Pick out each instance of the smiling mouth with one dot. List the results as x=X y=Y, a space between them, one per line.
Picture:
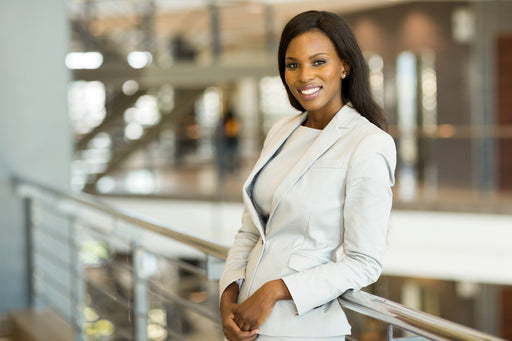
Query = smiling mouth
x=309 y=91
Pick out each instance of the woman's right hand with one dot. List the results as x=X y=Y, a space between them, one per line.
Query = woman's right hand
x=228 y=306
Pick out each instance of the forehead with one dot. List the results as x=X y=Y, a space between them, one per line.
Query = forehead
x=310 y=43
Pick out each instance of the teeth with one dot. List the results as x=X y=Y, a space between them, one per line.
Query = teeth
x=309 y=91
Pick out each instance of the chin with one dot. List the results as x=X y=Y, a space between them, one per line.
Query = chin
x=310 y=107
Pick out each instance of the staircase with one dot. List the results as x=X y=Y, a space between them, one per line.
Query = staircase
x=123 y=148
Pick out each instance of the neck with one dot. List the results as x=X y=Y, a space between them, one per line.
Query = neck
x=318 y=120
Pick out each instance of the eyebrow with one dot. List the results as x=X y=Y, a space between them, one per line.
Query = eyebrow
x=312 y=57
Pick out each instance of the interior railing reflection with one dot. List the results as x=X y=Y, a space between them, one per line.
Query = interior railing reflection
x=449 y=158
x=117 y=276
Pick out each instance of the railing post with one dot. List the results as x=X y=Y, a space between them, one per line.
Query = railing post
x=390 y=332
x=140 y=293
x=29 y=247
x=77 y=280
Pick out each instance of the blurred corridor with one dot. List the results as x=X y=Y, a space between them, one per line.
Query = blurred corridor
x=129 y=100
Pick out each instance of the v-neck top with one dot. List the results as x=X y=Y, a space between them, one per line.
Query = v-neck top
x=274 y=172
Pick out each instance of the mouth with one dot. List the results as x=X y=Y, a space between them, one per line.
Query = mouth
x=309 y=92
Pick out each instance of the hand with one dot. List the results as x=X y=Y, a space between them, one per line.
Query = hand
x=228 y=307
x=257 y=308
x=231 y=330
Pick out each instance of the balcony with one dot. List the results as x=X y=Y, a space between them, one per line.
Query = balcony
x=115 y=275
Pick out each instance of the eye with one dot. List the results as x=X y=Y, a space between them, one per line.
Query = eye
x=292 y=66
x=319 y=62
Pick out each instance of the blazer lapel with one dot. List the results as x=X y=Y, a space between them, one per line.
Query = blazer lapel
x=329 y=136
x=273 y=145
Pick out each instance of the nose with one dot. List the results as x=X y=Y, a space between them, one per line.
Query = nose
x=306 y=74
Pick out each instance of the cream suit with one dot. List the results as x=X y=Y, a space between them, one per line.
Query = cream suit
x=327 y=228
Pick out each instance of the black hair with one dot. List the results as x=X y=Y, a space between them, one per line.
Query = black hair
x=356 y=86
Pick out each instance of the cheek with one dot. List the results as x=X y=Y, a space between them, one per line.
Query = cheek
x=332 y=75
x=333 y=78
x=289 y=79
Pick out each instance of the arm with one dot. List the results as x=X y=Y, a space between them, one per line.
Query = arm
x=368 y=199
x=245 y=239
x=232 y=277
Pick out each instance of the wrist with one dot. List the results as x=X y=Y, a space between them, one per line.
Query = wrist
x=230 y=294
x=279 y=290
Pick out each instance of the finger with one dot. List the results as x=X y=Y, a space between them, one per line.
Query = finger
x=241 y=323
x=248 y=335
x=252 y=338
x=245 y=326
x=231 y=330
x=237 y=321
x=230 y=324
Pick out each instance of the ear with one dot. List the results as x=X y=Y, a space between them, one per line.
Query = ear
x=345 y=69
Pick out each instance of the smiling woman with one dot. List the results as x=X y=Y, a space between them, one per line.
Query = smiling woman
x=318 y=200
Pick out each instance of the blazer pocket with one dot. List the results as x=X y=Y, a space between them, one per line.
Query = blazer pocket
x=301 y=261
x=329 y=163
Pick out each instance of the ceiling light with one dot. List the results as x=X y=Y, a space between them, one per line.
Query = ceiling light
x=84 y=60
x=139 y=59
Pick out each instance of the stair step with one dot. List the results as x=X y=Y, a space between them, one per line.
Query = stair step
x=5 y=328
x=30 y=325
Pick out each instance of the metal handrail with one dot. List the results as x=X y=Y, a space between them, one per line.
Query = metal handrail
x=129 y=217
x=415 y=321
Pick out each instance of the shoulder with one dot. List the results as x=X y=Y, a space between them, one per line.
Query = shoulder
x=371 y=146
x=369 y=138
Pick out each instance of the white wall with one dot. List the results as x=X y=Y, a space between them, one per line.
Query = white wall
x=35 y=137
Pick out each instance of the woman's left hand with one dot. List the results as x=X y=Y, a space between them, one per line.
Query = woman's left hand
x=256 y=309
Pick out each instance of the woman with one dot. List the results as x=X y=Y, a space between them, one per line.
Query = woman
x=317 y=202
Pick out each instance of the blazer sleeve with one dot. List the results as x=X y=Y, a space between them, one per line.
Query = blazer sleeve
x=366 y=212
x=245 y=239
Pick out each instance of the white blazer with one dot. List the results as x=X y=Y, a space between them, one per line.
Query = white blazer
x=327 y=228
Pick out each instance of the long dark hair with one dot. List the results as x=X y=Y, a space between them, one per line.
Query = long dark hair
x=356 y=86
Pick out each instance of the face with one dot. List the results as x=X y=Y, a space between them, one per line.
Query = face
x=313 y=73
